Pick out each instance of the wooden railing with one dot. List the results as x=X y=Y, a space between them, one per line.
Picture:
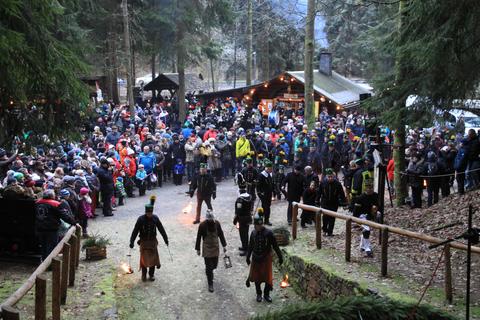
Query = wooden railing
x=384 y=231
x=63 y=275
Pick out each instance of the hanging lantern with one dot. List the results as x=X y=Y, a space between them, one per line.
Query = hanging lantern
x=322 y=99
x=266 y=85
x=284 y=282
x=227 y=262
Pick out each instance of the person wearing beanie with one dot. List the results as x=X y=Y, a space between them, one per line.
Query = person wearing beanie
x=294 y=182
x=206 y=190
x=265 y=189
x=146 y=226
x=105 y=177
x=63 y=196
x=47 y=221
x=243 y=209
x=209 y=231
x=259 y=257
x=330 y=196
x=249 y=176
x=84 y=209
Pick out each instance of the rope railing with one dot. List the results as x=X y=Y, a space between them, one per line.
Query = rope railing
x=63 y=275
x=384 y=232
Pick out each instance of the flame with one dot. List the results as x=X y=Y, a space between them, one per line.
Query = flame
x=188 y=208
x=238 y=225
x=425 y=183
x=284 y=282
x=126 y=268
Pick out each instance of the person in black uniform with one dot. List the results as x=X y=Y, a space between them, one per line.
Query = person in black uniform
x=147 y=226
x=295 y=182
x=249 y=177
x=265 y=189
x=105 y=176
x=259 y=255
x=207 y=189
x=243 y=216
x=309 y=197
x=366 y=202
x=330 y=196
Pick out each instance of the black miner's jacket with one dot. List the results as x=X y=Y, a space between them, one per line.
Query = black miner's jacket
x=147 y=227
x=330 y=195
x=205 y=185
x=106 y=180
x=295 y=186
x=48 y=215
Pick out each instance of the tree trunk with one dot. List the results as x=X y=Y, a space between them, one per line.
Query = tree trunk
x=108 y=67
x=152 y=65
x=309 y=50
x=114 y=66
x=213 y=74
x=235 y=56
x=401 y=190
x=128 y=67
x=249 y=41
x=181 y=56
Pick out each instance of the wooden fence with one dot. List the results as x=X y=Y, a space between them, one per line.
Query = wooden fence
x=63 y=275
x=384 y=232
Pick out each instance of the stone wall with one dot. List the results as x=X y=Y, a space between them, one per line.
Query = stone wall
x=313 y=282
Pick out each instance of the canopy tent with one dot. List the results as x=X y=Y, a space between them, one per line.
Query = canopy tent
x=169 y=81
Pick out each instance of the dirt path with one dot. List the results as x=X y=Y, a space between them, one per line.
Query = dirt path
x=180 y=290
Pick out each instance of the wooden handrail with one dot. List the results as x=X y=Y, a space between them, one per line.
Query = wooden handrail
x=22 y=291
x=399 y=231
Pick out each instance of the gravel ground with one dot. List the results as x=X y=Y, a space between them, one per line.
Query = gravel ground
x=180 y=289
x=104 y=291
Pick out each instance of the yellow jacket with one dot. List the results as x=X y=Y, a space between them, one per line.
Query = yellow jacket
x=242 y=147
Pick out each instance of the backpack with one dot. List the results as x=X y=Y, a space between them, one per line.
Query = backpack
x=460 y=159
x=432 y=168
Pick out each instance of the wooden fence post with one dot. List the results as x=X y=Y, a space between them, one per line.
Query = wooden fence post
x=448 y=274
x=10 y=313
x=294 y=220
x=78 y=234
x=56 y=279
x=318 y=229
x=65 y=271
x=71 y=265
x=41 y=297
x=384 y=252
x=348 y=239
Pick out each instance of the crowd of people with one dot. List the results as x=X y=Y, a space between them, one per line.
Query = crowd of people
x=330 y=164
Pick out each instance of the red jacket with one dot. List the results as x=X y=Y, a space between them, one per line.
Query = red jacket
x=390 y=170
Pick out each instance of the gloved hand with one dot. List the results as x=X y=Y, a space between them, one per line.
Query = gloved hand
x=166 y=242
x=248 y=261
x=280 y=260
x=191 y=194
x=131 y=245
x=224 y=249
x=235 y=220
x=214 y=195
x=198 y=252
